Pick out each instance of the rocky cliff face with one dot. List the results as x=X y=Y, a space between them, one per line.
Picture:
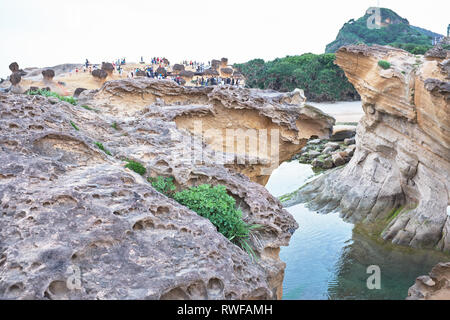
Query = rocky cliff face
x=66 y=206
x=398 y=181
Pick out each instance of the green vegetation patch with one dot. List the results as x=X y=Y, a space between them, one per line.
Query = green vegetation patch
x=115 y=126
x=384 y=64
x=136 y=167
x=74 y=125
x=101 y=147
x=317 y=75
x=165 y=185
x=216 y=205
x=46 y=93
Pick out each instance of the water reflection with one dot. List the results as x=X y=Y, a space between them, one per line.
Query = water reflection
x=328 y=259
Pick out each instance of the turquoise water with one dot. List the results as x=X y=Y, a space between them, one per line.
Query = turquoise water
x=327 y=259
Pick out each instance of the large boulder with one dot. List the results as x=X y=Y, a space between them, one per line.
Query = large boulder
x=99 y=74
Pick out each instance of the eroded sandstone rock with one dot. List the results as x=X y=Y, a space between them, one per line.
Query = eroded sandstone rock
x=65 y=205
x=398 y=180
x=436 y=286
x=283 y=118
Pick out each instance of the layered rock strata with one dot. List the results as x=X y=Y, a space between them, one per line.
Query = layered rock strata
x=398 y=181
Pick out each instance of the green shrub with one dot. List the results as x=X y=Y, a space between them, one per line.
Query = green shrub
x=384 y=64
x=101 y=147
x=136 y=167
x=164 y=185
x=88 y=108
x=46 y=93
x=74 y=126
x=115 y=126
x=216 y=205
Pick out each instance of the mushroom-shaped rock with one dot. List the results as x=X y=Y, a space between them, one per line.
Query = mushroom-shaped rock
x=15 y=78
x=237 y=74
x=14 y=67
x=48 y=74
x=224 y=62
x=99 y=74
x=161 y=71
x=226 y=71
x=108 y=67
x=215 y=64
x=178 y=67
x=78 y=91
x=211 y=72
x=437 y=52
x=186 y=74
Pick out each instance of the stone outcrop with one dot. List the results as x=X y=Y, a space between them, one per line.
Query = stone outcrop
x=177 y=68
x=66 y=205
x=99 y=74
x=227 y=108
x=48 y=74
x=215 y=64
x=398 y=181
x=435 y=286
x=108 y=67
x=14 y=67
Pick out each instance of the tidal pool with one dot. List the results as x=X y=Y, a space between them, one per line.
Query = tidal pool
x=328 y=259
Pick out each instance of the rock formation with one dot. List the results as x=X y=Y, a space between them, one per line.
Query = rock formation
x=215 y=64
x=108 y=67
x=226 y=71
x=14 y=67
x=224 y=109
x=68 y=206
x=436 y=286
x=224 y=62
x=48 y=74
x=99 y=74
x=78 y=91
x=398 y=181
x=177 y=68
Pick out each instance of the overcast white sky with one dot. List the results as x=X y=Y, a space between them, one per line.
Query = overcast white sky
x=43 y=33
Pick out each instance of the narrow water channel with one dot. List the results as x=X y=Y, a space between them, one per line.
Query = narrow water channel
x=327 y=259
